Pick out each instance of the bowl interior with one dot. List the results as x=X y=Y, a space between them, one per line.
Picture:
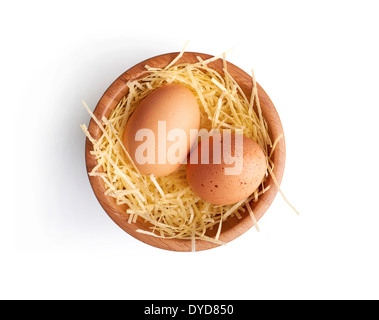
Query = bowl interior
x=233 y=227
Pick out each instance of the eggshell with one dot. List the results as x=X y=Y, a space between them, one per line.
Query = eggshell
x=167 y=108
x=210 y=181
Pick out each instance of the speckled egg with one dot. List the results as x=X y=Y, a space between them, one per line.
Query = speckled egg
x=235 y=168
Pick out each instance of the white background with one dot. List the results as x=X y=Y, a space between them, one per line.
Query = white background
x=318 y=61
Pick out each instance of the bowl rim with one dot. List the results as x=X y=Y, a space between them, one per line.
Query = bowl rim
x=109 y=101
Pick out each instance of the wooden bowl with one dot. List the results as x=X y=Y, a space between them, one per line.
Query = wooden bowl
x=233 y=227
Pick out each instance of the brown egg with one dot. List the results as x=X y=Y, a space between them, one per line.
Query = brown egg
x=157 y=135
x=231 y=174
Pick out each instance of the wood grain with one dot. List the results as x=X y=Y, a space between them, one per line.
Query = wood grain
x=233 y=227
